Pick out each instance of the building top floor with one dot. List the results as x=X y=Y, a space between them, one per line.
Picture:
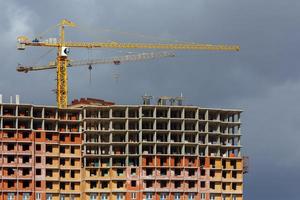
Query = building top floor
x=119 y=111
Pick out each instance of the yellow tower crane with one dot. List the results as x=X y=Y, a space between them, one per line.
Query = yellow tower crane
x=62 y=61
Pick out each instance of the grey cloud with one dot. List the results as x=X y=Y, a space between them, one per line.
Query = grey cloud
x=262 y=79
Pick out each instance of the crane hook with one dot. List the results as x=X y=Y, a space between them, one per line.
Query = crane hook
x=90 y=70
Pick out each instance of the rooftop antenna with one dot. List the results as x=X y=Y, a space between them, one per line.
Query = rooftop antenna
x=180 y=99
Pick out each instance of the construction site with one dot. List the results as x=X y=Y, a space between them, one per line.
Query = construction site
x=94 y=149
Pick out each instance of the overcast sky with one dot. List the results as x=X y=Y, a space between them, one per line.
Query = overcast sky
x=262 y=79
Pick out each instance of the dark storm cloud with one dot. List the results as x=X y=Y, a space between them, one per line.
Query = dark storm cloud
x=262 y=79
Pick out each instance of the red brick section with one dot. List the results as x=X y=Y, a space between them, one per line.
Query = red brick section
x=91 y=101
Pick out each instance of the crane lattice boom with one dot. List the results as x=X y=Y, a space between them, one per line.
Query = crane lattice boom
x=114 y=60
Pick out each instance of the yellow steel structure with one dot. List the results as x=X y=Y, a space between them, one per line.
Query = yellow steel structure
x=114 y=60
x=63 y=61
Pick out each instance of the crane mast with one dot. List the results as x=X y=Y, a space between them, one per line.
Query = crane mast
x=62 y=61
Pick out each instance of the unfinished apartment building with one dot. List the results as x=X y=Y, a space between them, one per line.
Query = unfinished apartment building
x=96 y=150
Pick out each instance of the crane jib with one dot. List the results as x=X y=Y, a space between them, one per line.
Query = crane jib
x=138 y=46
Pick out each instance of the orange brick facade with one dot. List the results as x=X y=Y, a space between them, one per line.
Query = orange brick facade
x=116 y=152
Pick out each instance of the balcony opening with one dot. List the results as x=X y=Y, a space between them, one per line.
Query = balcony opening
x=163 y=184
x=26 y=171
x=162 y=113
x=189 y=114
x=234 y=174
x=133 y=149
x=177 y=184
x=38 y=159
x=10 y=184
x=147 y=112
x=177 y=172
x=62 y=161
x=202 y=114
x=233 y=163
x=62 y=174
x=202 y=172
x=49 y=149
x=162 y=137
x=212 y=185
x=93 y=184
x=38 y=147
x=133 y=171
x=9 y=134
x=73 y=138
x=49 y=173
x=176 y=113
x=10 y=147
x=37 y=125
x=62 y=186
x=120 y=172
x=177 y=161
x=190 y=126
x=9 y=112
x=119 y=161
x=25 y=147
x=212 y=173
x=162 y=125
x=191 y=184
x=133 y=113
x=72 y=162
x=104 y=184
x=149 y=184
x=223 y=186
x=191 y=172
x=62 y=149
x=10 y=159
x=162 y=150
x=224 y=174
x=38 y=172
x=38 y=184
x=134 y=161
x=93 y=172
x=10 y=171
x=118 y=113
x=163 y=172
x=91 y=114
x=25 y=135
x=104 y=114
x=119 y=125
x=72 y=186
x=26 y=184
x=149 y=172
x=62 y=138
x=104 y=172
x=133 y=183
x=48 y=136
x=49 y=185
x=164 y=161
x=147 y=125
x=202 y=184
x=49 y=161
x=234 y=186
x=72 y=174
x=120 y=184
x=72 y=150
